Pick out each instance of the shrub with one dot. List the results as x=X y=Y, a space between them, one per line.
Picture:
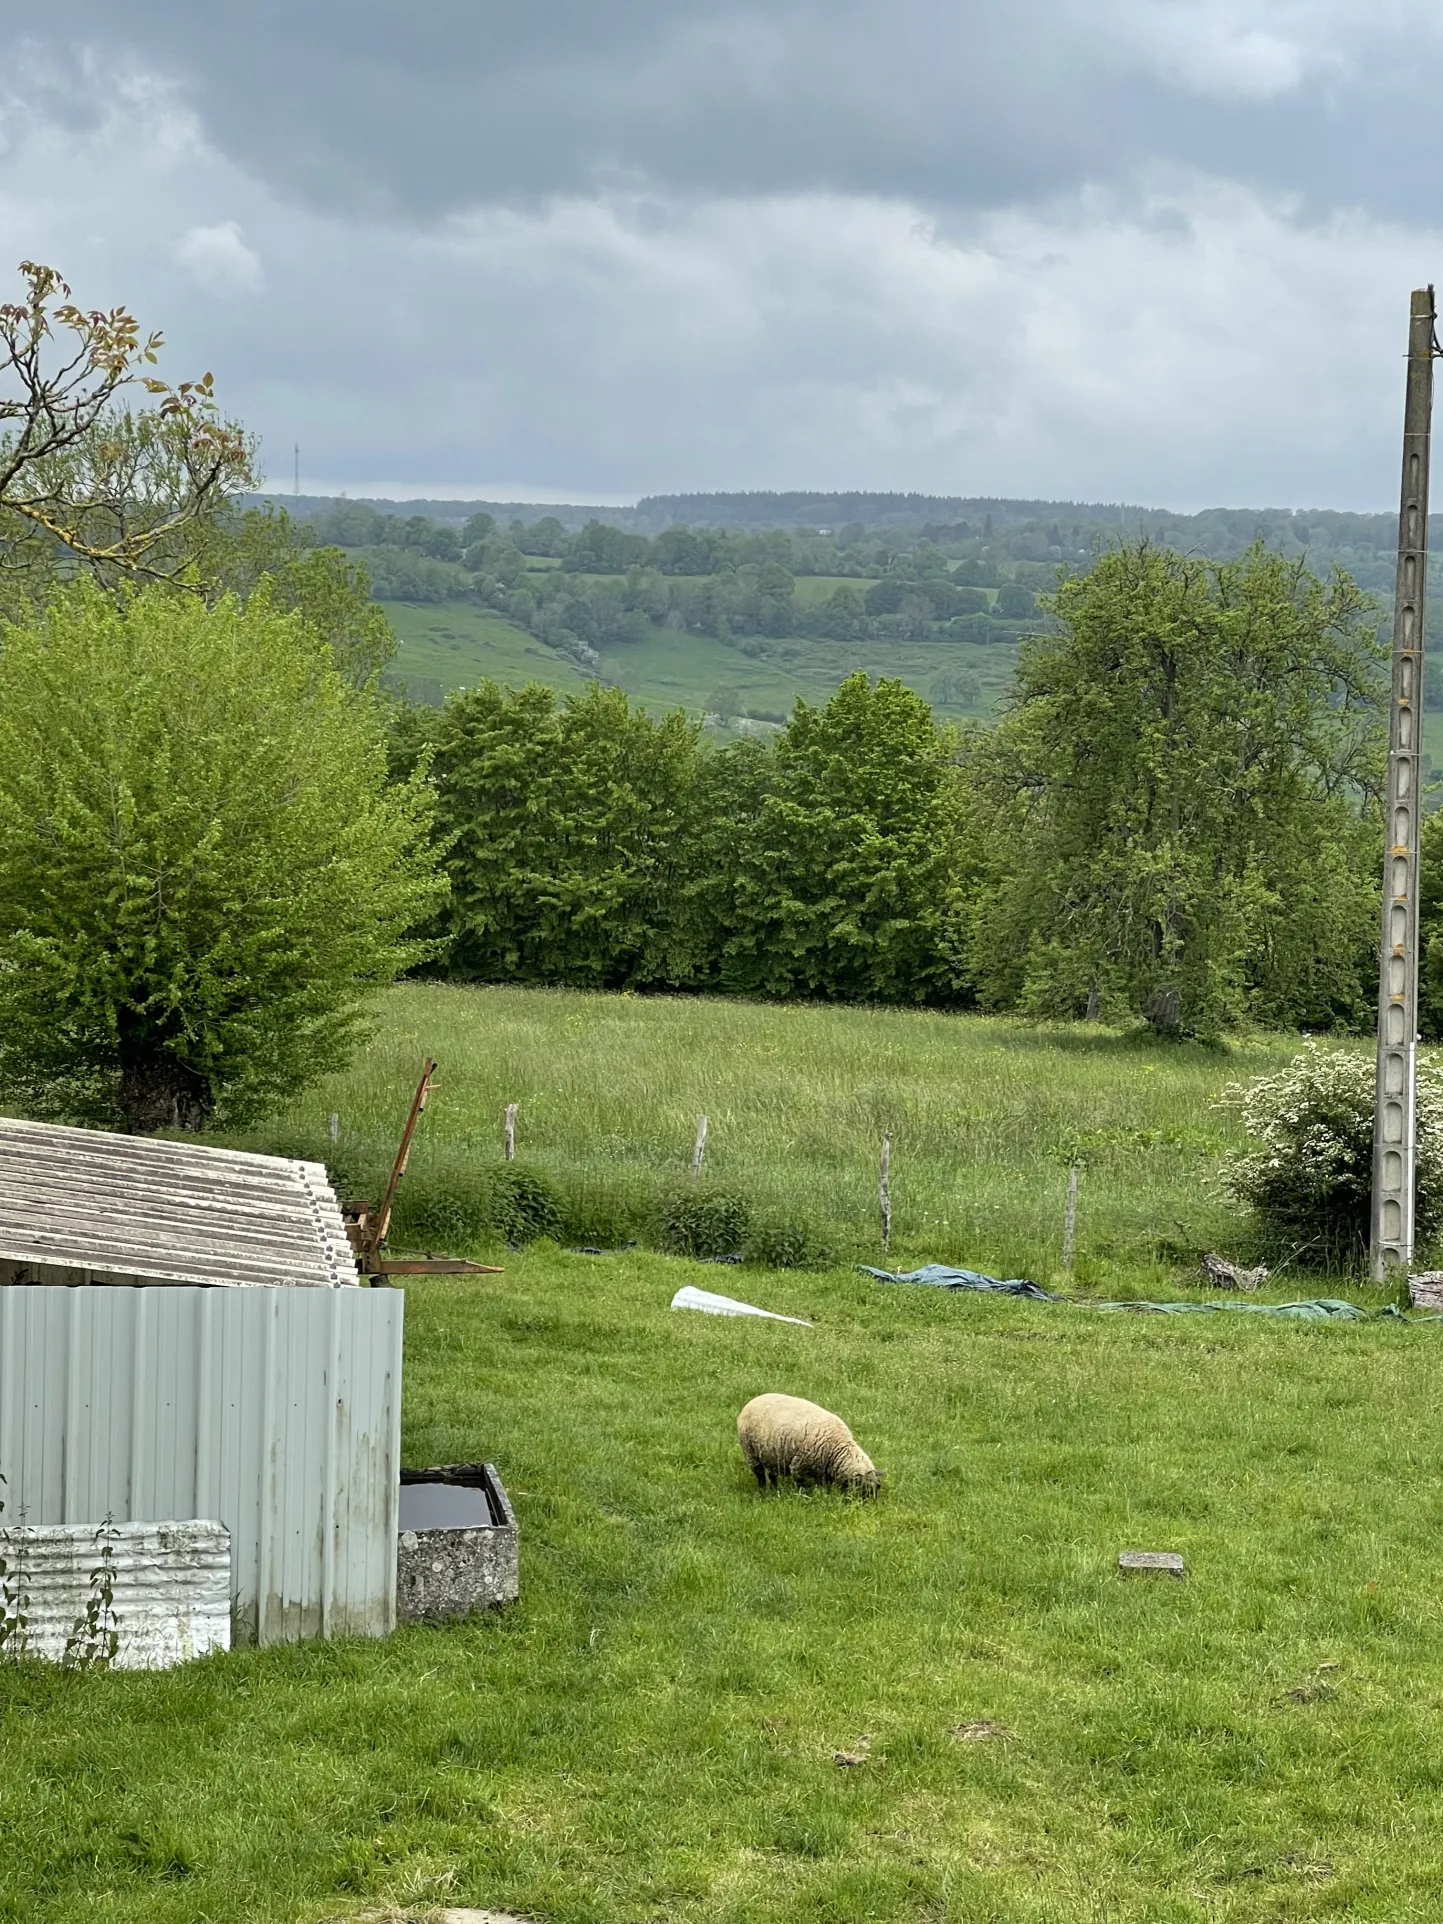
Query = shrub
x=204 y=874
x=354 y=1176
x=452 y=1208
x=606 y=1213
x=1310 y=1184
x=444 y=1210
x=776 y=1242
x=703 y=1222
x=525 y=1204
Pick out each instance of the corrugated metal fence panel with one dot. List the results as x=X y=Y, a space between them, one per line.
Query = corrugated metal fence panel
x=277 y=1411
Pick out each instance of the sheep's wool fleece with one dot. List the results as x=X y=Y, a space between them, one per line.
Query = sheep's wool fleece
x=787 y=1436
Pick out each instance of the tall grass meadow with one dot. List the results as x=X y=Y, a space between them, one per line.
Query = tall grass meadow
x=987 y=1114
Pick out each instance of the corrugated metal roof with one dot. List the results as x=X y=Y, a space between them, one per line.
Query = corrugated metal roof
x=84 y=1206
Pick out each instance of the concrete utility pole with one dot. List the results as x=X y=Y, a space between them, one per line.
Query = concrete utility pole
x=1393 y=1123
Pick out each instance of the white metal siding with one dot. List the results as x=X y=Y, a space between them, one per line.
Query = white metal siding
x=170 y=1585
x=277 y=1411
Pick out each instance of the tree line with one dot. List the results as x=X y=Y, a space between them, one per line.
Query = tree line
x=589 y=593
x=842 y=534
x=1177 y=820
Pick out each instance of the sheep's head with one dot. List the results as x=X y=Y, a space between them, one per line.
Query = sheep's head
x=859 y=1473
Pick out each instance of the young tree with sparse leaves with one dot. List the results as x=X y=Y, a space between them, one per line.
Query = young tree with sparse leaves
x=86 y=481
x=89 y=484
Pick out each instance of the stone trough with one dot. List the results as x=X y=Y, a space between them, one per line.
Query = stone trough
x=456 y=1544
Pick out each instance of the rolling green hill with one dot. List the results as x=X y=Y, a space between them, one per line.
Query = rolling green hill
x=454 y=644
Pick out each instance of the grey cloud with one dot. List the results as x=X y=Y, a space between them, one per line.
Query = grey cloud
x=1049 y=248
x=376 y=108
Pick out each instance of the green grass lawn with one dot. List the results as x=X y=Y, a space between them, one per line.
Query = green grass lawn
x=454 y=644
x=648 y=1735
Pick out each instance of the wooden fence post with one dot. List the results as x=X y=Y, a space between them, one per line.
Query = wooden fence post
x=511 y=1132
x=884 y=1190
x=1069 y=1220
x=700 y=1148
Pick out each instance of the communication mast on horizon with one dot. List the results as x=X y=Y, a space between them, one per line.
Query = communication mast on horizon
x=296 y=483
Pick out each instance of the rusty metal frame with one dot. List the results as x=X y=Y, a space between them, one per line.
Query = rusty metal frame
x=368 y=1232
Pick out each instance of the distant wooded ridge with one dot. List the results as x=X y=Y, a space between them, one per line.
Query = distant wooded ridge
x=914 y=512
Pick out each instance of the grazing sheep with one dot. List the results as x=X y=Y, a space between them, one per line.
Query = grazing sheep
x=787 y=1436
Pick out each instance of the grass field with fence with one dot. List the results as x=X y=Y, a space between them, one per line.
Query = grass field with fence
x=651 y=1734
x=986 y=1115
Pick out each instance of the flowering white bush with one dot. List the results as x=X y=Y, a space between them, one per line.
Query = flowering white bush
x=1310 y=1183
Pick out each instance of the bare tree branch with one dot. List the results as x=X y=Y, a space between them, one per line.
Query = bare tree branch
x=83 y=475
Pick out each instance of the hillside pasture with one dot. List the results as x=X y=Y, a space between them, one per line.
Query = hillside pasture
x=452 y=644
x=455 y=644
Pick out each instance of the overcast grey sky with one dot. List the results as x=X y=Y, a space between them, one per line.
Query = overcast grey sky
x=1153 y=250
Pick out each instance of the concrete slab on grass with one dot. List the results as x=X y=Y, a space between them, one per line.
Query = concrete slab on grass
x=433 y=1917
x=480 y=1917
x=1168 y=1561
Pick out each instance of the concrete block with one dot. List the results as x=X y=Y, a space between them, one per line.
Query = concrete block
x=457 y=1549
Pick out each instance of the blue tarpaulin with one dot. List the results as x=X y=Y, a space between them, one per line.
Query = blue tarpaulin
x=1319 y=1309
x=941 y=1277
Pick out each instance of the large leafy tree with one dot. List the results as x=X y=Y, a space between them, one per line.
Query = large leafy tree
x=203 y=870
x=844 y=860
x=1180 y=813
x=567 y=827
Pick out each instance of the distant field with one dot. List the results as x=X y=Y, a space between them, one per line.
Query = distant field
x=454 y=644
x=808 y=588
x=814 y=588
